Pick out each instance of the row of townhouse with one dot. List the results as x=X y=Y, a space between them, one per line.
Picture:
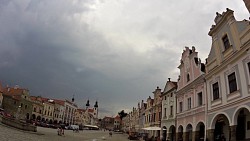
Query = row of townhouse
x=210 y=100
x=111 y=123
x=18 y=103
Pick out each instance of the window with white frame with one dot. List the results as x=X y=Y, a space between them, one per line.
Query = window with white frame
x=189 y=103
x=232 y=82
x=216 y=93
x=226 y=42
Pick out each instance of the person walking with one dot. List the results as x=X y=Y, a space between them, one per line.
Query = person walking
x=110 y=133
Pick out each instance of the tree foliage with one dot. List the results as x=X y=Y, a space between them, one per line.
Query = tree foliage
x=122 y=114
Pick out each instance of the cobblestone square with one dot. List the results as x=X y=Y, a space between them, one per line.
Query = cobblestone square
x=48 y=134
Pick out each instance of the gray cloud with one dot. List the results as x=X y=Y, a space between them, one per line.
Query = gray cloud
x=115 y=52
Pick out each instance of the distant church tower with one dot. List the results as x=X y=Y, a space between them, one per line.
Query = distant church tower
x=96 y=109
x=87 y=104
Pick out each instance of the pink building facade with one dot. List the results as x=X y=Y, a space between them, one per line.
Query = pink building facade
x=190 y=95
x=227 y=79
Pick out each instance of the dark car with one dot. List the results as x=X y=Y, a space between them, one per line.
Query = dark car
x=133 y=136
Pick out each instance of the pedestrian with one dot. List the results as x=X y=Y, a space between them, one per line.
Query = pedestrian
x=110 y=133
x=58 y=131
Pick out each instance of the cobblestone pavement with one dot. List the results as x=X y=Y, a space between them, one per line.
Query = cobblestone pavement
x=47 y=134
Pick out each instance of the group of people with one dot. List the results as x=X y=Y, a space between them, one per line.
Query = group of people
x=60 y=131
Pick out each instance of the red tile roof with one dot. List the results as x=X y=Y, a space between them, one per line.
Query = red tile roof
x=60 y=102
x=117 y=117
x=13 y=91
x=90 y=110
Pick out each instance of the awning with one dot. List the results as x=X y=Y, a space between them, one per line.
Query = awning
x=152 y=128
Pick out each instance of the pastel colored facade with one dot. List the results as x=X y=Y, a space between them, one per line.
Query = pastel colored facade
x=48 y=110
x=169 y=111
x=16 y=102
x=136 y=114
x=125 y=123
x=37 y=111
x=156 y=117
x=228 y=78
x=190 y=94
x=69 y=113
x=58 y=111
x=82 y=117
x=142 y=108
x=107 y=123
x=93 y=113
x=149 y=112
x=117 y=123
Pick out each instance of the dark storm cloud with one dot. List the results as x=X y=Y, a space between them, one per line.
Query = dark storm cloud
x=111 y=51
x=39 y=43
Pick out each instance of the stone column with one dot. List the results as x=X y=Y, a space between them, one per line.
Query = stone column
x=185 y=134
x=232 y=133
x=178 y=136
x=210 y=134
x=194 y=135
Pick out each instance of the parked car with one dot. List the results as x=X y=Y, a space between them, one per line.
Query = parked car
x=133 y=135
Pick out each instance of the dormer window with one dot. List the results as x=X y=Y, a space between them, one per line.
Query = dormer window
x=226 y=42
x=188 y=77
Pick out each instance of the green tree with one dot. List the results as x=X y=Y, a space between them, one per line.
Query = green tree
x=122 y=114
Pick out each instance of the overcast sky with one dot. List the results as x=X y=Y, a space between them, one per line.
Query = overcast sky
x=113 y=51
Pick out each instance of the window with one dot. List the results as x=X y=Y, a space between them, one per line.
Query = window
x=226 y=42
x=248 y=67
x=171 y=110
x=159 y=116
x=165 y=112
x=165 y=97
x=21 y=104
x=171 y=95
x=34 y=109
x=14 y=102
x=216 y=91
x=189 y=103
x=188 y=77
x=248 y=125
x=26 y=107
x=200 y=99
x=180 y=106
x=232 y=82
